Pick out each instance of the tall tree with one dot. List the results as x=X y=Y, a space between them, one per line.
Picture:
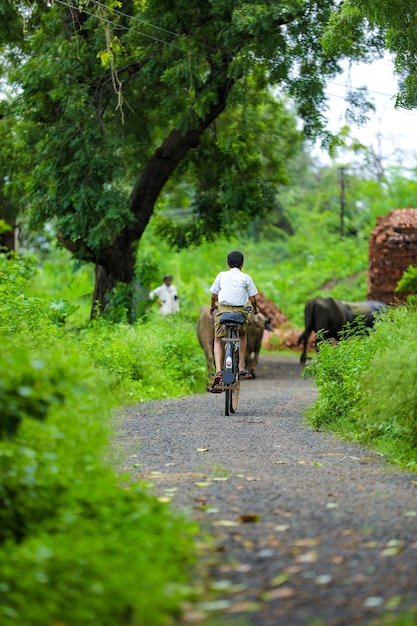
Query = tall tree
x=366 y=28
x=115 y=98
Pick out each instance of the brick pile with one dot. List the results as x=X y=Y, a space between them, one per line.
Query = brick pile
x=392 y=249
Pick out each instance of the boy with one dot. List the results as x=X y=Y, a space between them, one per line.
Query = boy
x=231 y=291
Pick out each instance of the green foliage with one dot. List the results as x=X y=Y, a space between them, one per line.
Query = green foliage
x=76 y=547
x=367 y=386
x=157 y=359
x=96 y=137
x=408 y=281
x=362 y=28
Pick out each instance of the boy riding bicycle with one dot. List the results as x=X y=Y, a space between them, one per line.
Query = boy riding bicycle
x=231 y=291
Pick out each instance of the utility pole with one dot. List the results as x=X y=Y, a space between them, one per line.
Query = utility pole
x=342 y=202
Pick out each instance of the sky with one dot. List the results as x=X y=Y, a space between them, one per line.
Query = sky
x=392 y=132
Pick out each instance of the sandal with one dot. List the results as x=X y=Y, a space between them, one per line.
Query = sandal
x=244 y=374
x=217 y=379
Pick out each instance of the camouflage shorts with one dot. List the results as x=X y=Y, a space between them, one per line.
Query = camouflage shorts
x=219 y=330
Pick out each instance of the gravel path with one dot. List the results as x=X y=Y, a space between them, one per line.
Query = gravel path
x=308 y=529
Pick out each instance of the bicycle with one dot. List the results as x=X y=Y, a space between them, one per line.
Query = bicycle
x=233 y=322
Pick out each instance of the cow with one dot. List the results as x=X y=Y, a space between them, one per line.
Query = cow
x=330 y=315
x=205 y=334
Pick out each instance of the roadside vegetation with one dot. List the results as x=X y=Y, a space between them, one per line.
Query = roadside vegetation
x=367 y=387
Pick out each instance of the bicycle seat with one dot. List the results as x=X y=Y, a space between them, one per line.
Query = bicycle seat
x=232 y=317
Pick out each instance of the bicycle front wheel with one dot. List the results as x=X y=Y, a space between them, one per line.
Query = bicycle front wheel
x=234 y=396
x=232 y=392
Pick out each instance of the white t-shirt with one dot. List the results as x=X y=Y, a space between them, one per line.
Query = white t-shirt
x=233 y=287
x=168 y=296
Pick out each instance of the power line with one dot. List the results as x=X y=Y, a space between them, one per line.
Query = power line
x=377 y=106
x=119 y=26
x=135 y=19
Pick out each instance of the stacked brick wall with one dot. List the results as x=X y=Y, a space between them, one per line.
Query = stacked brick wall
x=392 y=249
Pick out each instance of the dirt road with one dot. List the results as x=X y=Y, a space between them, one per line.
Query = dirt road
x=308 y=529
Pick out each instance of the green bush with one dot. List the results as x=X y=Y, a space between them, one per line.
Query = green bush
x=367 y=386
x=159 y=358
x=76 y=548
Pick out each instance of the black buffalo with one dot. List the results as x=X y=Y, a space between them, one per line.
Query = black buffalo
x=330 y=315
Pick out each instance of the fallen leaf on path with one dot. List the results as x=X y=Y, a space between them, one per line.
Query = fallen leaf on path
x=226 y=522
x=283 y=513
x=164 y=499
x=317 y=464
x=216 y=605
x=279 y=580
x=137 y=465
x=221 y=585
x=251 y=478
x=373 y=602
x=235 y=567
x=391 y=551
x=337 y=559
x=279 y=462
x=193 y=617
x=411 y=514
x=308 y=557
x=281 y=527
x=324 y=579
x=278 y=594
x=393 y=602
x=307 y=543
x=248 y=518
x=219 y=478
x=331 y=505
x=202 y=484
x=244 y=607
x=266 y=553
x=202 y=449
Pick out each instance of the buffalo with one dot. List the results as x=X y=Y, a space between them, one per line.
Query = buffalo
x=205 y=334
x=329 y=316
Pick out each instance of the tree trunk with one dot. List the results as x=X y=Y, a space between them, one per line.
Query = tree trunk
x=8 y=240
x=115 y=264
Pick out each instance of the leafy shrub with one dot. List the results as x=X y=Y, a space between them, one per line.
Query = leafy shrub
x=75 y=548
x=367 y=385
x=408 y=281
x=155 y=359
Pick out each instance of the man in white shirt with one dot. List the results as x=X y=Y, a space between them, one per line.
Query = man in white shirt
x=231 y=291
x=167 y=297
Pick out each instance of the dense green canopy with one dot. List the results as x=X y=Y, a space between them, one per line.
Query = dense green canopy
x=115 y=101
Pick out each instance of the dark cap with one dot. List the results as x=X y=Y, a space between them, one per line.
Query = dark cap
x=167 y=277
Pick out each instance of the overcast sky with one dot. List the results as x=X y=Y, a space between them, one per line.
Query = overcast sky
x=392 y=132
